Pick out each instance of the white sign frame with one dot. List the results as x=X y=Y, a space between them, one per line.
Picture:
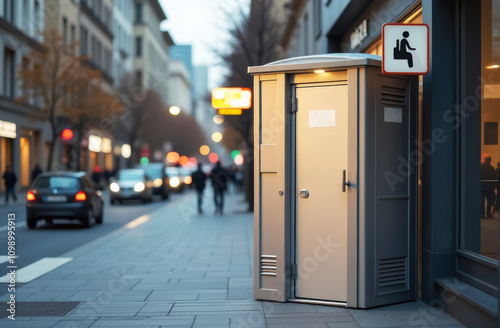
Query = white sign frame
x=391 y=65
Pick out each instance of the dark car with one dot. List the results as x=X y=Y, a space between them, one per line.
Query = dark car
x=131 y=184
x=156 y=171
x=176 y=181
x=66 y=195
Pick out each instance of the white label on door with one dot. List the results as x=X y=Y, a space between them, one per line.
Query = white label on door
x=322 y=118
x=393 y=115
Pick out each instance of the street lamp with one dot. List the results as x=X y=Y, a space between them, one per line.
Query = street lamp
x=174 y=110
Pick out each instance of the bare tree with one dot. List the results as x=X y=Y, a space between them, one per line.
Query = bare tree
x=68 y=88
x=254 y=41
x=146 y=120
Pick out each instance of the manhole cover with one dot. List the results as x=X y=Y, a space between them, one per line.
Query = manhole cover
x=39 y=309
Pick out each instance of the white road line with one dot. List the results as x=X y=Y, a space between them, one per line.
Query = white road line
x=37 y=269
x=18 y=225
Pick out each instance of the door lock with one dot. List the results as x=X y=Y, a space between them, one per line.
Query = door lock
x=303 y=193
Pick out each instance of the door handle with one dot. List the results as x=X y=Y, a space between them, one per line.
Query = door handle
x=344 y=183
x=303 y=193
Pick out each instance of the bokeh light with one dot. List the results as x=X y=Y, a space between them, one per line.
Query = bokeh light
x=213 y=157
x=174 y=110
x=172 y=157
x=217 y=136
x=238 y=159
x=204 y=150
x=235 y=153
x=126 y=151
x=67 y=134
x=193 y=161
x=218 y=119
x=183 y=160
x=144 y=161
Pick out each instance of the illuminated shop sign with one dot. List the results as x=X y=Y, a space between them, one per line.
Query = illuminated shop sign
x=8 y=129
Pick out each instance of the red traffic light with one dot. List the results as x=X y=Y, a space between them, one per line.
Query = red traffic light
x=67 y=134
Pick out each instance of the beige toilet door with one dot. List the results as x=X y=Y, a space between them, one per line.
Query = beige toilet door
x=321 y=214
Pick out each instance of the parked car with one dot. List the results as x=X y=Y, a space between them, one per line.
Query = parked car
x=131 y=184
x=68 y=195
x=175 y=180
x=156 y=171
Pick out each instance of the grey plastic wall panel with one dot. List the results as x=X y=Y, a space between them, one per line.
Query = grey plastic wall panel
x=354 y=101
x=388 y=229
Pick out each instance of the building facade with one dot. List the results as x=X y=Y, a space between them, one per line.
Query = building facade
x=24 y=141
x=151 y=47
x=458 y=224
x=178 y=84
x=123 y=37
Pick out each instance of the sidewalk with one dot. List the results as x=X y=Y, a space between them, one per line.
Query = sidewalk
x=175 y=268
x=21 y=199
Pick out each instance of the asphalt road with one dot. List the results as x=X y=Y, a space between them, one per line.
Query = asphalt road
x=52 y=240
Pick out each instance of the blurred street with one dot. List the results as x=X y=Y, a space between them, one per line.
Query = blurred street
x=173 y=267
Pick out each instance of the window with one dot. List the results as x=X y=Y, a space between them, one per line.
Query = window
x=25 y=66
x=8 y=10
x=72 y=37
x=9 y=72
x=138 y=46
x=480 y=220
x=317 y=18
x=65 y=31
x=138 y=78
x=138 y=13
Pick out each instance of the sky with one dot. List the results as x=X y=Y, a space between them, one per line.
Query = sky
x=201 y=23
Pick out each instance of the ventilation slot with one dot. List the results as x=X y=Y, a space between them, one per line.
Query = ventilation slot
x=392 y=272
x=268 y=265
x=393 y=96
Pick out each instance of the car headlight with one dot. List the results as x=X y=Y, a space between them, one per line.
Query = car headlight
x=188 y=180
x=114 y=187
x=157 y=182
x=139 y=186
x=174 y=182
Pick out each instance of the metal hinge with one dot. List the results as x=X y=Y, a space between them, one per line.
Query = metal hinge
x=293 y=104
x=293 y=271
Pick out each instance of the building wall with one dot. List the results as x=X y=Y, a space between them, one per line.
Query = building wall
x=123 y=38
x=152 y=63
x=179 y=86
x=26 y=146
x=458 y=280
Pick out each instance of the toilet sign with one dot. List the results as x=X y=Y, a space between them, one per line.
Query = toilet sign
x=405 y=49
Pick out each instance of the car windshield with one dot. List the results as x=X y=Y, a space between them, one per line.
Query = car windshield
x=153 y=172
x=172 y=171
x=130 y=176
x=58 y=183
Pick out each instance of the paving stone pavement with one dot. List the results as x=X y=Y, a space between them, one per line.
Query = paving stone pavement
x=177 y=268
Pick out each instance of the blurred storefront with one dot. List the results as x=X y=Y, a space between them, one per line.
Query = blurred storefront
x=459 y=101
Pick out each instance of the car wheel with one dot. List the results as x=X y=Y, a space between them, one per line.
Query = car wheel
x=49 y=221
x=31 y=223
x=86 y=221
x=144 y=200
x=113 y=201
x=120 y=201
x=164 y=196
x=98 y=219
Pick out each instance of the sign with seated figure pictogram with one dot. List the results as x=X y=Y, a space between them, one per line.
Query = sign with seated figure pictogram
x=405 y=49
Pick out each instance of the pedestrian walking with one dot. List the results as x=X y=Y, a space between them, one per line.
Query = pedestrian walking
x=199 y=177
x=488 y=182
x=220 y=177
x=10 y=180
x=96 y=176
x=36 y=171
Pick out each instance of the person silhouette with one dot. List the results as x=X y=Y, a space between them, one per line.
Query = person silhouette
x=401 y=50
